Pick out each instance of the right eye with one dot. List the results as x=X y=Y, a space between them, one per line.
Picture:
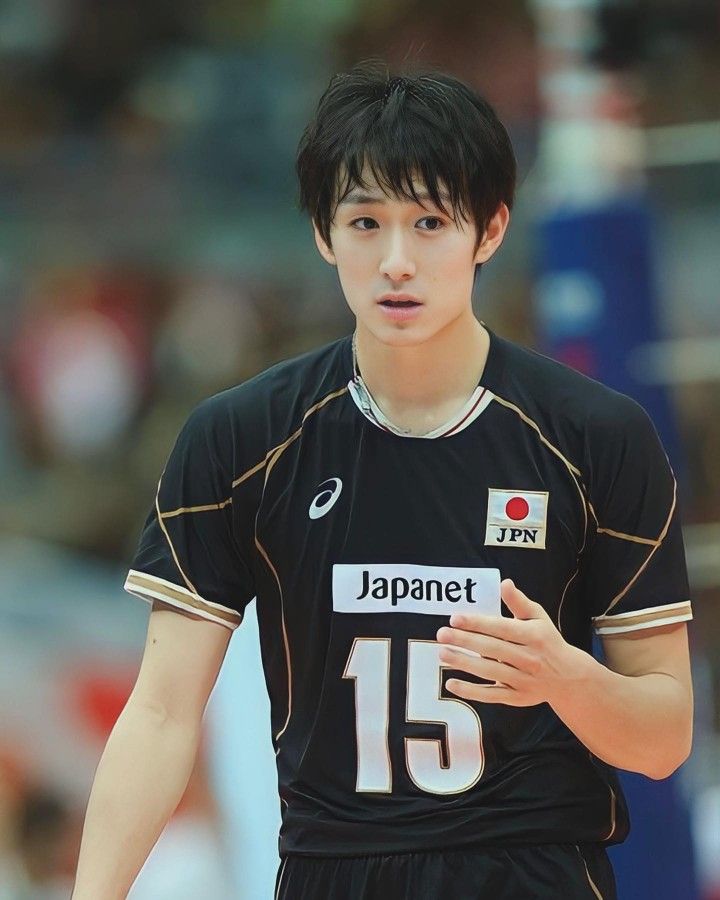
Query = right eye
x=354 y=223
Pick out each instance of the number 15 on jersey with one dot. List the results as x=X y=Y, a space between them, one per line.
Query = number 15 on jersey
x=456 y=769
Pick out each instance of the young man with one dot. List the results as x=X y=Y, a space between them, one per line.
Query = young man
x=438 y=732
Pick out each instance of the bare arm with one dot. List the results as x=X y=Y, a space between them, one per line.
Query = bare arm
x=146 y=764
x=656 y=663
x=634 y=713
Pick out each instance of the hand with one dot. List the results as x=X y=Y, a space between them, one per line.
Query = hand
x=526 y=656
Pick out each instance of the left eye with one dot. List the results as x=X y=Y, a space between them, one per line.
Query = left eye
x=438 y=223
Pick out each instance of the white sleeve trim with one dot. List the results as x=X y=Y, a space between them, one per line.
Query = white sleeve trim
x=651 y=617
x=644 y=625
x=150 y=587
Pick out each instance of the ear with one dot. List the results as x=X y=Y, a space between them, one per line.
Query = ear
x=323 y=249
x=494 y=234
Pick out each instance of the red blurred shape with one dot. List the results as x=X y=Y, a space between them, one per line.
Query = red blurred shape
x=100 y=698
x=579 y=356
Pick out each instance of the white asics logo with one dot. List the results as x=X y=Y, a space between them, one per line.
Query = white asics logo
x=319 y=506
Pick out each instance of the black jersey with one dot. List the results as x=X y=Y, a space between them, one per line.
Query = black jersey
x=359 y=542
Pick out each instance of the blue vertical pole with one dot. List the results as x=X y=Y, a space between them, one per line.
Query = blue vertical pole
x=596 y=303
x=595 y=306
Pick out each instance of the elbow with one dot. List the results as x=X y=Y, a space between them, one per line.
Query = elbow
x=677 y=751
x=659 y=774
x=666 y=767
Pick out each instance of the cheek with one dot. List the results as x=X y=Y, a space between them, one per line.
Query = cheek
x=355 y=263
x=450 y=264
x=456 y=254
x=354 y=281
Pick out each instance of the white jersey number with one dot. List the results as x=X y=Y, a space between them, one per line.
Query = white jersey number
x=369 y=665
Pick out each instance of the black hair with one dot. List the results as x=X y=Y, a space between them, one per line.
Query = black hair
x=424 y=125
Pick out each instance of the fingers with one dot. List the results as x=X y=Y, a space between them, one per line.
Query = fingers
x=520 y=605
x=494 y=648
x=485 y=644
x=484 y=693
x=494 y=626
x=490 y=669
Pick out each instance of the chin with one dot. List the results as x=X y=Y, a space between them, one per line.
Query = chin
x=394 y=335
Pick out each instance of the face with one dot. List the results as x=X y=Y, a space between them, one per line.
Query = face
x=384 y=244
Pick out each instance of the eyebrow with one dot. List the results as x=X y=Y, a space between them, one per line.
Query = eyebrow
x=357 y=197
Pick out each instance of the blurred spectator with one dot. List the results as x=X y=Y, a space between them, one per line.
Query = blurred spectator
x=41 y=867
x=212 y=337
x=11 y=788
x=78 y=362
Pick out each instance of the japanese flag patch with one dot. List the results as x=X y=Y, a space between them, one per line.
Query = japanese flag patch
x=517 y=519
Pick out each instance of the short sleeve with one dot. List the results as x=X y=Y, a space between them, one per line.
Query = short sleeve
x=634 y=573
x=188 y=555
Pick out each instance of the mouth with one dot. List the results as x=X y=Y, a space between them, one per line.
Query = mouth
x=400 y=307
x=399 y=304
x=399 y=301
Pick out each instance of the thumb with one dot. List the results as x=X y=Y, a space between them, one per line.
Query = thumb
x=520 y=606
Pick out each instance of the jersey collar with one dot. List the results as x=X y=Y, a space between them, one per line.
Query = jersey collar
x=476 y=404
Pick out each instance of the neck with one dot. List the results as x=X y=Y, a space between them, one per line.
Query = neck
x=444 y=369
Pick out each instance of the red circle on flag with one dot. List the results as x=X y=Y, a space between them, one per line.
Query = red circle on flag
x=517 y=508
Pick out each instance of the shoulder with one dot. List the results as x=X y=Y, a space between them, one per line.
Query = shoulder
x=571 y=404
x=268 y=406
x=304 y=377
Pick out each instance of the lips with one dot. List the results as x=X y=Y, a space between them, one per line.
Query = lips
x=400 y=307
x=399 y=300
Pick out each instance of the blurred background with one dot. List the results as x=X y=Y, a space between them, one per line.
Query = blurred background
x=151 y=254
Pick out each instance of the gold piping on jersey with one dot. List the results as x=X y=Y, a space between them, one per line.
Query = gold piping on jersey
x=251 y=471
x=284 y=632
x=613 y=803
x=273 y=455
x=618 y=534
x=643 y=618
x=613 y=822
x=151 y=585
x=280 y=877
x=274 y=452
x=587 y=872
x=187 y=509
x=651 y=542
x=575 y=475
x=277 y=452
x=592 y=511
x=170 y=543
x=536 y=427
x=642 y=568
x=565 y=590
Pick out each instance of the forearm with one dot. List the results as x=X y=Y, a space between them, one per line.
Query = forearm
x=641 y=723
x=141 y=777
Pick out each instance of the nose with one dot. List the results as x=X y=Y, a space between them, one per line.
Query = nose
x=397 y=263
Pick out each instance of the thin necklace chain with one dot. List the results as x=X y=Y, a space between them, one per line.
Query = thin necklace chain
x=360 y=384
x=367 y=396
x=356 y=373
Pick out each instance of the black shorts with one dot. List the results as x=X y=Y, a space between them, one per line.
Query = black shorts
x=545 y=871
